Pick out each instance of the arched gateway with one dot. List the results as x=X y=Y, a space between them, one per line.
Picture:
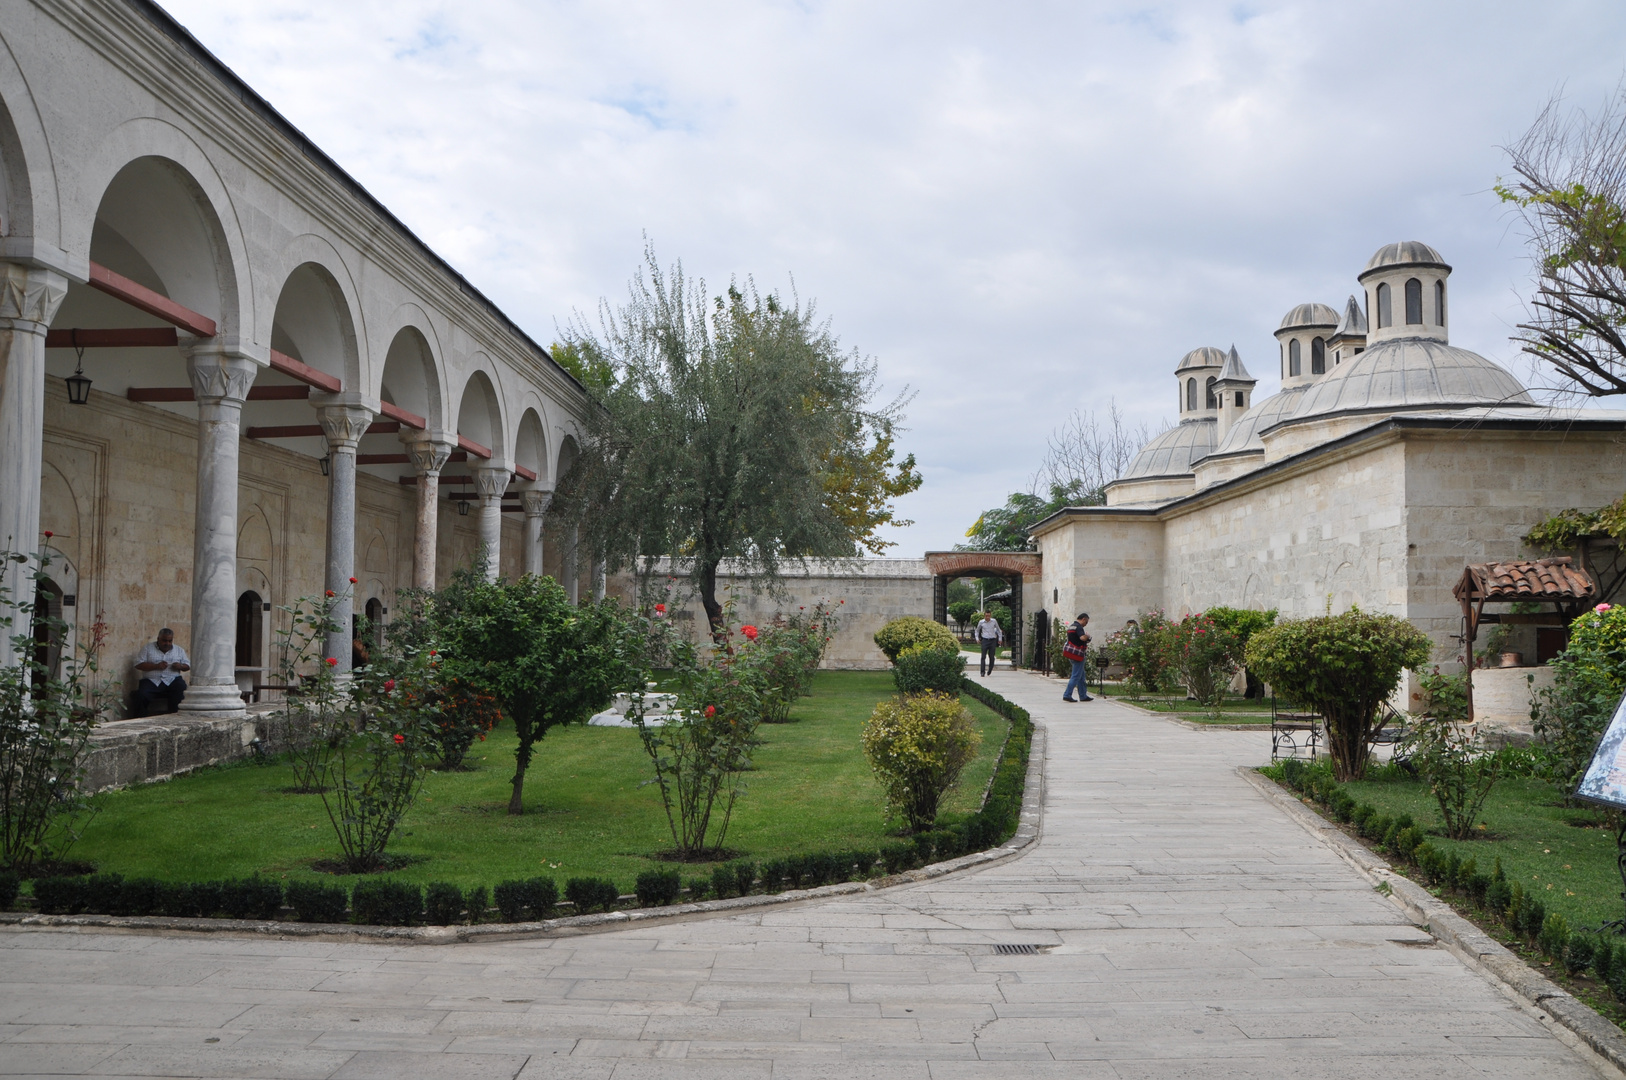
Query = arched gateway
x=1014 y=566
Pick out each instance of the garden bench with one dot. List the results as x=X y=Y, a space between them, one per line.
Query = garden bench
x=1294 y=734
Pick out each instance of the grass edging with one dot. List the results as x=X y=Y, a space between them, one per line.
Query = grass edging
x=1571 y=1019
x=1021 y=768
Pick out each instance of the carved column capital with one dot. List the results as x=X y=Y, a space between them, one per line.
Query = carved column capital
x=220 y=376
x=428 y=453
x=30 y=294
x=344 y=425
x=535 y=502
x=491 y=483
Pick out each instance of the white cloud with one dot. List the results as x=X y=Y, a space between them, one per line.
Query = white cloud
x=1019 y=209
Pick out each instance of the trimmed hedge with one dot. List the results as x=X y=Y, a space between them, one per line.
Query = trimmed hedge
x=530 y=900
x=386 y=903
x=315 y=902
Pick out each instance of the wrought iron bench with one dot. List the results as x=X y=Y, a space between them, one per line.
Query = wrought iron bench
x=1294 y=734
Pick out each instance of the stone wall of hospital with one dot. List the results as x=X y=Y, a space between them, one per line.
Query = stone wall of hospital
x=874 y=590
x=1108 y=565
x=117 y=493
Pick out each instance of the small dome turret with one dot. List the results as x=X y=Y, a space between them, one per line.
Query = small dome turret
x=1303 y=335
x=1196 y=375
x=1406 y=293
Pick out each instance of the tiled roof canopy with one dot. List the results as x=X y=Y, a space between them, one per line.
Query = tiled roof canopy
x=1529 y=579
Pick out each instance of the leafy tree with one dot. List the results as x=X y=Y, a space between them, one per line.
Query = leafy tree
x=1344 y=667
x=962 y=612
x=1569 y=189
x=586 y=364
x=1005 y=528
x=735 y=429
x=961 y=591
x=546 y=661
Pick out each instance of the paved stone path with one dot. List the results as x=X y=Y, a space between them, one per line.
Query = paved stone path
x=1191 y=931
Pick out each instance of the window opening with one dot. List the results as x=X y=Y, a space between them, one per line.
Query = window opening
x=1414 y=302
x=1191 y=395
x=250 y=632
x=1439 y=303
x=1318 y=356
x=1208 y=401
x=1385 y=317
x=1295 y=362
x=1239 y=399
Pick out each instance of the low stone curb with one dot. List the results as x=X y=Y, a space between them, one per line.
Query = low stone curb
x=1027 y=833
x=1570 y=1019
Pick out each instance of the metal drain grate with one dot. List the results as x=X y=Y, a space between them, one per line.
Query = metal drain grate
x=1015 y=950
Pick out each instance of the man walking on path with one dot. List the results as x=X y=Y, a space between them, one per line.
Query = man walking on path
x=990 y=637
x=1077 y=650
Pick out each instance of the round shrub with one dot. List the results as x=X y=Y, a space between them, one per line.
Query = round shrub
x=1344 y=667
x=918 y=746
x=899 y=634
x=926 y=667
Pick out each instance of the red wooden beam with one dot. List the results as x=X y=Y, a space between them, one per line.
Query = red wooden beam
x=144 y=299
x=306 y=431
x=184 y=393
x=141 y=337
x=473 y=447
x=523 y=473
x=296 y=369
x=395 y=412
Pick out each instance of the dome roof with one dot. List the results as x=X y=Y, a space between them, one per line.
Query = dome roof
x=1173 y=452
x=1404 y=253
x=1413 y=373
x=1309 y=315
x=1207 y=356
x=1244 y=434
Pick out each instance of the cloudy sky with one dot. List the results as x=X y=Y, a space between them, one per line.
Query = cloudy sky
x=1018 y=209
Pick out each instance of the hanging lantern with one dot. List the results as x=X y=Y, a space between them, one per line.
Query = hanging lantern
x=78 y=384
x=326 y=463
x=463 y=508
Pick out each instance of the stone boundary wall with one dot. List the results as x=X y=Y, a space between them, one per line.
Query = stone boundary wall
x=876 y=590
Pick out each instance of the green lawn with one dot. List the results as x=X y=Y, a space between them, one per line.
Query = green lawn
x=587 y=812
x=1563 y=853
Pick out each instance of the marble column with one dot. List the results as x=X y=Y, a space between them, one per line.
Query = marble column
x=344 y=425
x=429 y=456
x=29 y=297
x=221 y=378
x=491 y=483
x=536 y=509
x=569 y=569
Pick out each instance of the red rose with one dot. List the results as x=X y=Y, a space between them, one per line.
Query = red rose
x=389 y=684
x=330 y=592
x=749 y=631
x=399 y=738
x=434 y=652
x=352 y=581
x=49 y=534
x=711 y=710
x=331 y=662
x=660 y=609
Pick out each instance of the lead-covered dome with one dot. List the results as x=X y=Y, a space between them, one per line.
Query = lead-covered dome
x=1309 y=315
x=1244 y=434
x=1403 y=253
x=1409 y=374
x=1207 y=356
x=1174 y=452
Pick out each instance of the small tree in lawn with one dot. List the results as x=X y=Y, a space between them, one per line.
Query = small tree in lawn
x=546 y=661
x=1344 y=667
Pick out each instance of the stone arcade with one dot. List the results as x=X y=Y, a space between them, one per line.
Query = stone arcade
x=1388 y=460
x=288 y=389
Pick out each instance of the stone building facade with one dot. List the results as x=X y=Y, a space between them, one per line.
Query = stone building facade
x=1389 y=460
x=287 y=389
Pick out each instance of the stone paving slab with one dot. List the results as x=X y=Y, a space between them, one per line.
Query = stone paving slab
x=1188 y=927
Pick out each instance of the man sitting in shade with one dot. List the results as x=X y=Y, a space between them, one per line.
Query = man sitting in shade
x=161 y=687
